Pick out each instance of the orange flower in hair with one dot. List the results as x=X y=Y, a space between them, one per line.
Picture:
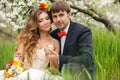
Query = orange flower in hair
x=43 y=6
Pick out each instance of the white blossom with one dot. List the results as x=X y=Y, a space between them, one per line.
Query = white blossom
x=30 y=3
x=110 y=14
x=104 y=2
x=14 y=4
x=16 y=10
x=2 y=14
x=8 y=20
x=21 y=3
x=3 y=25
x=15 y=27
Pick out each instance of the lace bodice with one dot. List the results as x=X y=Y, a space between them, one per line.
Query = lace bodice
x=39 y=60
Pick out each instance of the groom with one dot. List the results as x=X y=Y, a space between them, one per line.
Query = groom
x=75 y=41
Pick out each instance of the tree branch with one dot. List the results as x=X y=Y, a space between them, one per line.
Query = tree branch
x=96 y=16
x=7 y=34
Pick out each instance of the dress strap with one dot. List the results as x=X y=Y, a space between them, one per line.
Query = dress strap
x=51 y=45
x=53 y=41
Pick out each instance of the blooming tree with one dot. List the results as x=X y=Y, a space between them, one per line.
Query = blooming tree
x=14 y=12
x=101 y=11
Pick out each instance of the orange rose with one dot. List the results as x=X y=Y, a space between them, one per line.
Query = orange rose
x=43 y=6
x=11 y=62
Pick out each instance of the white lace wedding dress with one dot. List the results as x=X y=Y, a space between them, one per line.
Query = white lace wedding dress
x=38 y=70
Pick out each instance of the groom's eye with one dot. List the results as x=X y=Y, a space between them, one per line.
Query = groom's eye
x=61 y=15
x=54 y=16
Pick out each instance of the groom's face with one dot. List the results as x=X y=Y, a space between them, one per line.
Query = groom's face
x=61 y=19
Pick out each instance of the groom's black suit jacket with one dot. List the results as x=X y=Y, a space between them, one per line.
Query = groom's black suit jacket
x=78 y=47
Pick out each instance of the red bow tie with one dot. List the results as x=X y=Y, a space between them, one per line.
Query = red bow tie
x=63 y=33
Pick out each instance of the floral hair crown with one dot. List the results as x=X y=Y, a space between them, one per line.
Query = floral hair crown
x=43 y=6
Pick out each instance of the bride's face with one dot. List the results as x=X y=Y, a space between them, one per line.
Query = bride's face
x=44 y=23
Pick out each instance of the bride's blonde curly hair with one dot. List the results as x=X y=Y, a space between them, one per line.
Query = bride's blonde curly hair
x=30 y=34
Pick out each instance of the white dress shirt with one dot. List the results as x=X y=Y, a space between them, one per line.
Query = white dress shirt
x=63 y=38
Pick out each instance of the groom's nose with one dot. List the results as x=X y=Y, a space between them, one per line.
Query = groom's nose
x=58 y=18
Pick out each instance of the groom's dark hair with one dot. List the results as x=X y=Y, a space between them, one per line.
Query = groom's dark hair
x=60 y=6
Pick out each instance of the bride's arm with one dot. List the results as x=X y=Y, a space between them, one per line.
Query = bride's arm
x=54 y=66
x=56 y=58
x=19 y=55
x=53 y=56
x=19 y=52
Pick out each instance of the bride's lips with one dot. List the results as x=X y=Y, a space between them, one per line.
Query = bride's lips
x=46 y=26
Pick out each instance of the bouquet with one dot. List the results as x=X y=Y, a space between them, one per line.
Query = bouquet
x=13 y=68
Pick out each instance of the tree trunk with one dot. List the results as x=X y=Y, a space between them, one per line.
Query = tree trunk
x=7 y=34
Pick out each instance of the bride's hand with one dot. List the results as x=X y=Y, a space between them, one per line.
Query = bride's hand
x=52 y=56
x=17 y=56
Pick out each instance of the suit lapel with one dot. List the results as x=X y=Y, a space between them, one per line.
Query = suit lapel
x=68 y=38
x=59 y=42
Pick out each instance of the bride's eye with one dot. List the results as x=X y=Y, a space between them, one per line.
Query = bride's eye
x=47 y=18
x=39 y=21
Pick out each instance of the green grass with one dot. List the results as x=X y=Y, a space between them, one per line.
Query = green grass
x=106 y=55
x=7 y=49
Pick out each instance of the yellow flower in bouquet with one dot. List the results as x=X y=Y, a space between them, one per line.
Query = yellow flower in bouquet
x=19 y=69
x=9 y=71
x=17 y=63
x=13 y=68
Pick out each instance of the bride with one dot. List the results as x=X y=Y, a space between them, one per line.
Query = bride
x=34 y=42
